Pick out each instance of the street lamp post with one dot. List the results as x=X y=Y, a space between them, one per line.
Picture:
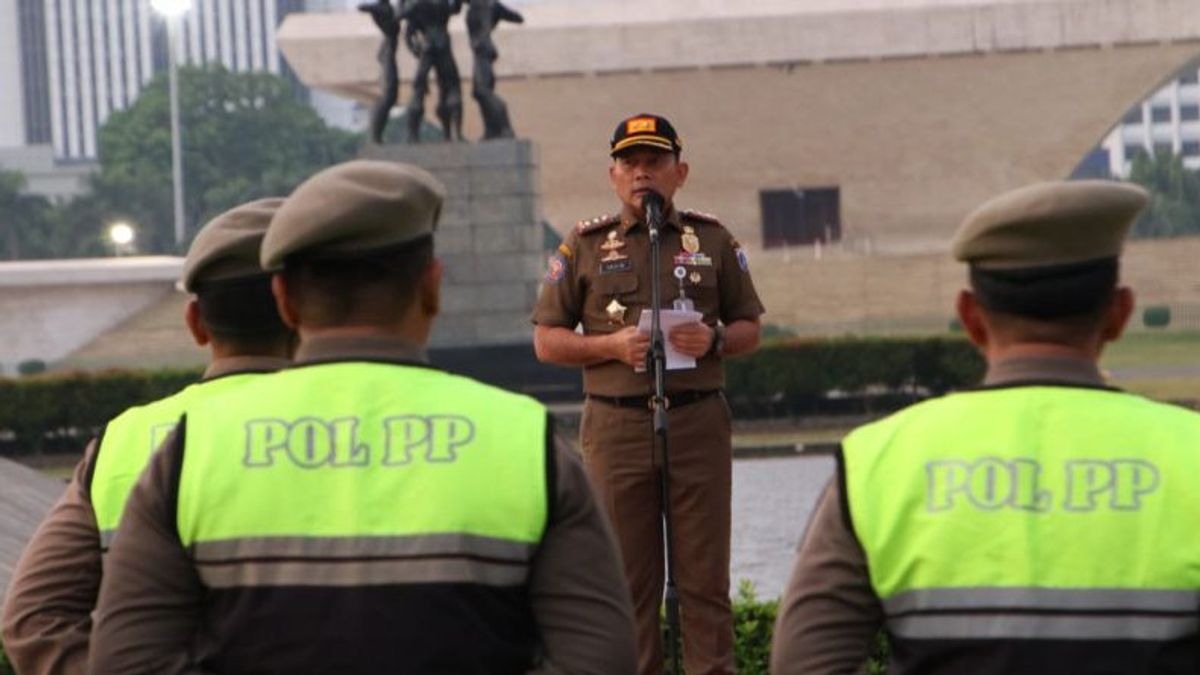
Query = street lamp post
x=172 y=11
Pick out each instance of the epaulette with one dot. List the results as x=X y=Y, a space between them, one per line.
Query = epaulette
x=585 y=226
x=703 y=217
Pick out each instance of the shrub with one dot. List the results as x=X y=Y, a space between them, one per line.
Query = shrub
x=59 y=412
x=1157 y=316
x=848 y=375
x=31 y=367
x=753 y=626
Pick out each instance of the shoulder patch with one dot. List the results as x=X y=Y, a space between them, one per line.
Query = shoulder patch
x=585 y=226
x=701 y=216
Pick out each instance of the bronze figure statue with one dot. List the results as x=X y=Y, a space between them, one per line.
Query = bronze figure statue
x=385 y=18
x=428 y=37
x=482 y=17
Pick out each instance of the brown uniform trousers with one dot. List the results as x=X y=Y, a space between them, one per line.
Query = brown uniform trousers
x=601 y=278
x=626 y=474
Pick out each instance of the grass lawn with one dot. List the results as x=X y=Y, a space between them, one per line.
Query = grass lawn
x=1147 y=349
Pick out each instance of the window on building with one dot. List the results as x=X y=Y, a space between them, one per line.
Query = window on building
x=1190 y=77
x=800 y=217
x=1189 y=113
x=1163 y=150
x=1160 y=114
x=1191 y=148
x=1134 y=116
x=1132 y=151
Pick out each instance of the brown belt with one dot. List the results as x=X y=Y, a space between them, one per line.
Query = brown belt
x=674 y=399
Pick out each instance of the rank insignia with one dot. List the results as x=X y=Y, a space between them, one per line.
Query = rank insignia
x=691 y=242
x=694 y=277
x=616 y=312
x=557 y=269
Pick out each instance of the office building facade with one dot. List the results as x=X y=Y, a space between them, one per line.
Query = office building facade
x=80 y=61
x=1166 y=122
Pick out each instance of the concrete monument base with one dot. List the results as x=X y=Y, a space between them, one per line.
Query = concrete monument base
x=490 y=237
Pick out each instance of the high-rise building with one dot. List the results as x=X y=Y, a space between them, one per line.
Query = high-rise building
x=78 y=61
x=1166 y=122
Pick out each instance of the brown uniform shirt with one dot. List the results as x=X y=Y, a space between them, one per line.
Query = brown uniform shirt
x=829 y=614
x=149 y=616
x=47 y=613
x=607 y=261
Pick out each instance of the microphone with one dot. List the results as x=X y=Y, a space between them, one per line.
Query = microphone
x=652 y=204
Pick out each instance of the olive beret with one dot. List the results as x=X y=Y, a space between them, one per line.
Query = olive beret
x=227 y=247
x=354 y=208
x=1050 y=224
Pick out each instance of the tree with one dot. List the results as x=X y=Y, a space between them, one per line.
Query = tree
x=24 y=219
x=244 y=136
x=1174 y=208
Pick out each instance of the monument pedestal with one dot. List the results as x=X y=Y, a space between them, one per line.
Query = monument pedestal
x=489 y=237
x=491 y=240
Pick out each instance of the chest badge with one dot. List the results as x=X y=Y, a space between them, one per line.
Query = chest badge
x=616 y=312
x=612 y=243
x=695 y=277
x=691 y=242
x=612 y=247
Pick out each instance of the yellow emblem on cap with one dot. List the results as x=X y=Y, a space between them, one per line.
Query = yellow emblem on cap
x=641 y=125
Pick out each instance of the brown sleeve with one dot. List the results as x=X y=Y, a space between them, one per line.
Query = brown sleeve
x=829 y=615
x=560 y=302
x=739 y=300
x=580 y=600
x=47 y=613
x=150 y=598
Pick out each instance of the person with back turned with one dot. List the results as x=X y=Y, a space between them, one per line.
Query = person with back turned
x=47 y=614
x=600 y=278
x=1041 y=523
x=362 y=512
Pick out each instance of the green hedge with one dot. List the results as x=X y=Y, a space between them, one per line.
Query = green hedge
x=59 y=412
x=848 y=374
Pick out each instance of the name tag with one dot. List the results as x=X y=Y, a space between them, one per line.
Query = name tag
x=623 y=265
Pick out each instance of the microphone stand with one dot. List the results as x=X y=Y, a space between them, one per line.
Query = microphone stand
x=657 y=364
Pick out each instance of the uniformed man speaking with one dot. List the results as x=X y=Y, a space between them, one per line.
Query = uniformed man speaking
x=600 y=278
x=362 y=512
x=1042 y=523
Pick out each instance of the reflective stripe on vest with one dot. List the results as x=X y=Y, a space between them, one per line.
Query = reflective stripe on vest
x=129 y=440
x=1031 y=512
x=350 y=474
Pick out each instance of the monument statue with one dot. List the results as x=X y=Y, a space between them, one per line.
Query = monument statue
x=482 y=17
x=427 y=35
x=385 y=18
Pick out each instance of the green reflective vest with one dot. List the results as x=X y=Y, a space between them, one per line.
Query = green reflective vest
x=1031 y=512
x=364 y=462
x=131 y=437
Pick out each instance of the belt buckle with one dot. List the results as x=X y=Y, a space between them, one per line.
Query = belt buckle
x=666 y=403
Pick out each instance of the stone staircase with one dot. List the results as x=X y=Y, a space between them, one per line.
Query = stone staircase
x=155 y=337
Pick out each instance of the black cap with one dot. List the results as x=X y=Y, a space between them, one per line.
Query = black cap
x=645 y=130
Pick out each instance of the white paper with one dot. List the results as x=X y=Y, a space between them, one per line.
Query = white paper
x=671 y=318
